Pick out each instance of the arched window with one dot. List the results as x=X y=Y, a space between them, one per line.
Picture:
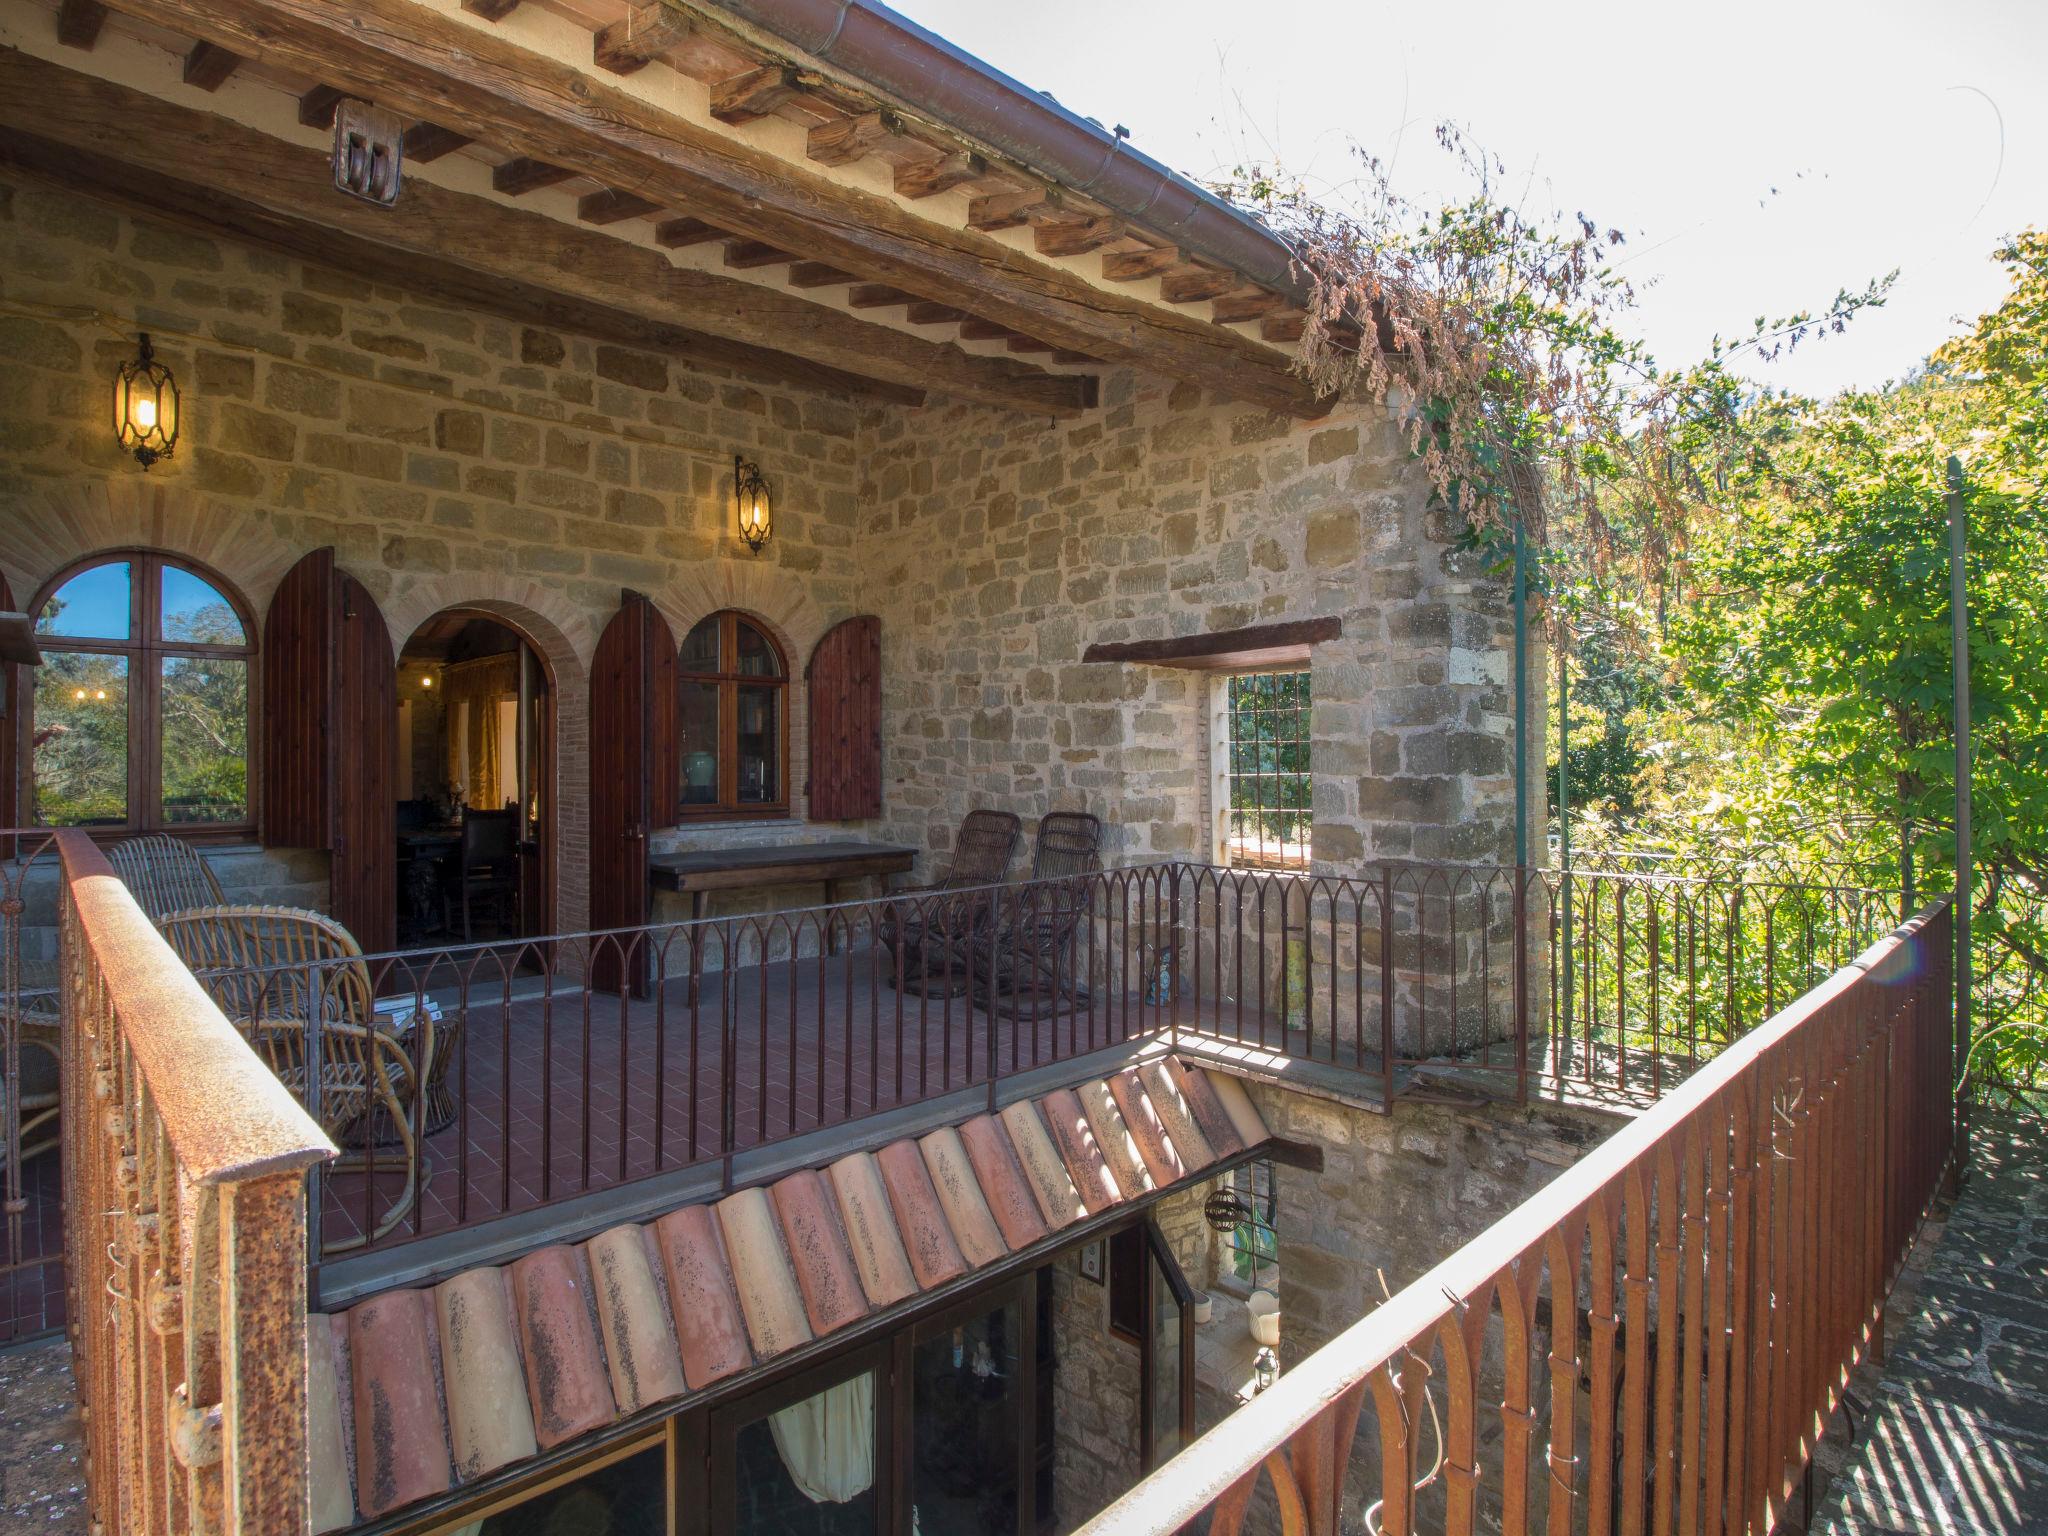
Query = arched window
x=734 y=719
x=140 y=720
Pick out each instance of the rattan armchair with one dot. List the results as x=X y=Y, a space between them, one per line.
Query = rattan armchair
x=922 y=927
x=274 y=971
x=165 y=874
x=1023 y=961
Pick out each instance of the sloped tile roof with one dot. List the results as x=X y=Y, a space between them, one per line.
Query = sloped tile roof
x=415 y=1392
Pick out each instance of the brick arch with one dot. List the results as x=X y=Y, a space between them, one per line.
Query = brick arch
x=785 y=608
x=564 y=639
x=54 y=526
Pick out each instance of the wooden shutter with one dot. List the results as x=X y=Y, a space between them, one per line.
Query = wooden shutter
x=330 y=740
x=633 y=770
x=845 y=677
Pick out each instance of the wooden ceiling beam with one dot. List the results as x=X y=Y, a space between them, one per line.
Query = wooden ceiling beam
x=756 y=93
x=491 y=10
x=1075 y=237
x=924 y=312
x=1135 y=266
x=487 y=242
x=816 y=274
x=316 y=107
x=747 y=254
x=519 y=176
x=411 y=58
x=1236 y=308
x=1284 y=328
x=1192 y=287
x=208 y=65
x=642 y=35
x=876 y=296
x=928 y=178
x=610 y=206
x=1006 y=210
x=980 y=328
x=426 y=143
x=79 y=23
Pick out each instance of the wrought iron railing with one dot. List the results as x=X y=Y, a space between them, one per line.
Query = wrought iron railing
x=31 y=1204
x=185 y=1163
x=1698 y=1288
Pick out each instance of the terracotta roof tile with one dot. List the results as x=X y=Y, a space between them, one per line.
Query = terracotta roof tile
x=927 y=1236
x=1002 y=1182
x=770 y=1299
x=566 y=1381
x=871 y=1231
x=413 y=1389
x=967 y=1213
x=1162 y=1159
x=709 y=1327
x=1169 y=1101
x=1207 y=1108
x=1119 y=1150
x=818 y=1251
x=1068 y=1125
x=639 y=1342
x=1059 y=1200
x=1244 y=1115
x=334 y=1497
x=490 y=1423
x=401 y=1438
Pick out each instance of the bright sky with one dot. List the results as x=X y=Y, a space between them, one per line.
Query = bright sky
x=1759 y=154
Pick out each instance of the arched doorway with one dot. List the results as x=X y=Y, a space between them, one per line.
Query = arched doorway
x=477 y=802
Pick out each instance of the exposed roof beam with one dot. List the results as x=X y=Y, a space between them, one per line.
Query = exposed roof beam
x=754 y=94
x=924 y=312
x=1135 y=266
x=426 y=143
x=641 y=35
x=611 y=206
x=517 y=177
x=208 y=65
x=816 y=274
x=79 y=22
x=927 y=178
x=1075 y=237
x=316 y=107
x=485 y=239
x=491 y=10
x=413 y=59
x=876 y=296
x=752 y=253
x=679 y=232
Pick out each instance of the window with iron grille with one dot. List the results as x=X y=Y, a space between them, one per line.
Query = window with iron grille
x=1252 y=1251
x=1270 y=790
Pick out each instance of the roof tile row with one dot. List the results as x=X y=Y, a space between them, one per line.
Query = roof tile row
x=418 y=1391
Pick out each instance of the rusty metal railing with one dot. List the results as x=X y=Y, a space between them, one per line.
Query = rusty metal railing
x=1698 y=1288
x=185 y=1166
x=31 y=1241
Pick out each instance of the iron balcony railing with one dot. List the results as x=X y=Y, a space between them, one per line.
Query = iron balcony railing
x=1698 y=1287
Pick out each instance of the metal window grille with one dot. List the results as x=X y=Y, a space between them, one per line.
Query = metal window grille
x=1254 y=1246
x=1271 y=788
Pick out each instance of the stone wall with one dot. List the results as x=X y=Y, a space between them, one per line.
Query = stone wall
x=1095 y=1398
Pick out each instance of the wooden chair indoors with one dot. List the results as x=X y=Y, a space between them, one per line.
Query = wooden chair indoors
x=269 y=968
x=165 y=874
x=1024 y=960
x=486 y=874
x=921 y=926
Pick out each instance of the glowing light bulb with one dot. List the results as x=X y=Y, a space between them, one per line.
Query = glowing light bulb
x=79 y=695
x=426 y=682
x=100 y=694
x=144 y=411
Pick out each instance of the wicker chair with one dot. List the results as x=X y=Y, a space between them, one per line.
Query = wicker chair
x=263 y=966
x=1024 y=960
x=921 y=927
x=165 y=874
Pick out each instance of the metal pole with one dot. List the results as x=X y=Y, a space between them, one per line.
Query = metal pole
x=1521 y=913
x=1564 y=825
x=1959 y=618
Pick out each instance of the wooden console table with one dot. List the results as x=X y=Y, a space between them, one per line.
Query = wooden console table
x=700 y=871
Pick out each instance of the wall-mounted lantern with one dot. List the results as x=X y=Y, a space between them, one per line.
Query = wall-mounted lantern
x=751 y=504
x=146 y=407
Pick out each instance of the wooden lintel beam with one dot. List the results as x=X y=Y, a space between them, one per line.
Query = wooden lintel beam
x=851 y=138
x=316 y=107
x=1006 y=210
x=517 y=177
x=1255 y=304
x=208 y=65
x=1201 y=283
x=642 y=35
x=1256 y=645
x=1136 y=266
x=491 y=10
x=924 y=312
x=928 y=178
x=1305 y=1155
x=817 y=274
x=426 y=142
x=679 y=232
x=876 y=296
x=756 y=93
x=417 y=60
x=1075 y=237
x=747 y=254
x=610 y=206
x=79 y=23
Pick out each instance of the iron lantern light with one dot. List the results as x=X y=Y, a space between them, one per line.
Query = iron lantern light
x=1265 y=1369
x=751 y=504
x=146 y=407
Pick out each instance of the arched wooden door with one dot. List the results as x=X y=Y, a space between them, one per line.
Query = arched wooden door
x=845 y=677
x=635 y=776
x=330 y=740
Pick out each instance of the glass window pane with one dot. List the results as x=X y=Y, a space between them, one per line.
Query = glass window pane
x=700 y=647
x=757 y=656
x=81 y=740
x=93 y=605
x=627 y=1498
x=809 y=1470
x=206 y=739
x=964 y=1452
x=697 y=722
x=1166 y=1365
x=760 y=758
x=194 y=611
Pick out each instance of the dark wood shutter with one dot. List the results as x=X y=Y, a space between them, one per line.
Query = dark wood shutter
x=845 y=677
x=330 y=740
x=633 y=771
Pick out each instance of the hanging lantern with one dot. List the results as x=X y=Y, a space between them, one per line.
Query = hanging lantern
x=1226 y=1210
x=146 y=407
x=750 y=504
